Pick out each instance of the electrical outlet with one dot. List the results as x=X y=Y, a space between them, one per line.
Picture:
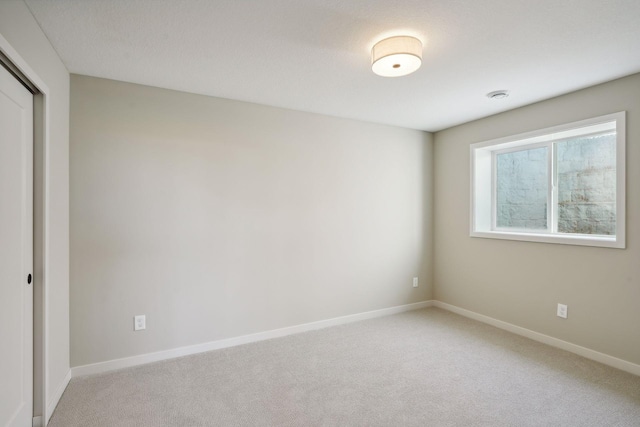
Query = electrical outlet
x=415 y=282
x=562 y=311
x=139 y=322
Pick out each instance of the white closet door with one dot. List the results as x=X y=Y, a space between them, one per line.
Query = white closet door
x=16 y=252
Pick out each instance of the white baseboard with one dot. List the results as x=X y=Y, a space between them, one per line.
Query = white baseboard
x=37 y=422
x=53 y=402
x=142 y=359
x=545 y=339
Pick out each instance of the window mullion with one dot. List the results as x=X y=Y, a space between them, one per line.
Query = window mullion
x=553 y=188
x=494 y=193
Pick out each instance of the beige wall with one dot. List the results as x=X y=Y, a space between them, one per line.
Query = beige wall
x=218 y=218
x=522 y=282
x=20 y=29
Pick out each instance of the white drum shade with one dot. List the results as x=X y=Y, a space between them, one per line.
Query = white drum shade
x=396 y=56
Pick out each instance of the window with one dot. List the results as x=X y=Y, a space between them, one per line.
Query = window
x=558 y=185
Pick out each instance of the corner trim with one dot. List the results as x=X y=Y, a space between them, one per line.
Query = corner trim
x=51 y=405
x=545 y=339
x=37 y=421
x=142 y=359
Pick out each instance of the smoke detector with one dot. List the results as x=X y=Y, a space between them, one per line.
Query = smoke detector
x=498 y=94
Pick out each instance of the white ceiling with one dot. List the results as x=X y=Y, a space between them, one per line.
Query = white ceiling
x=314 y=55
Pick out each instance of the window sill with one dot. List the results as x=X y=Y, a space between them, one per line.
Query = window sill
x=562 y=239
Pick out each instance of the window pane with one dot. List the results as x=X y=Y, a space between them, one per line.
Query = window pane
x=522 y=188
x=587 y=185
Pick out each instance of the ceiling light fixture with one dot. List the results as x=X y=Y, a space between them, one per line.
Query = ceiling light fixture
x=396 y=56
x=498 y=94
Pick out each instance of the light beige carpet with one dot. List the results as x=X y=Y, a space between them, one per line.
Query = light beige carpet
x=421 y=368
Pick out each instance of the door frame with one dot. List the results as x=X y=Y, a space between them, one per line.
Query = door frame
x=41 y=231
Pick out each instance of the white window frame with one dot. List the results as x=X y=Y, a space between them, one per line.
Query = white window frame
x=483 y=179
